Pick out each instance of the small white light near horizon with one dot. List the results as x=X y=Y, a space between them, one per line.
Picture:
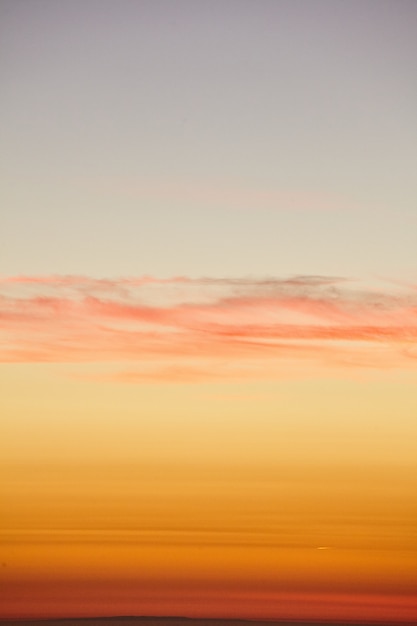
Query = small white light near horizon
x=323 y=548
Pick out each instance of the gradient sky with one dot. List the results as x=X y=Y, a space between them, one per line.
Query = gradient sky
x=208 y=306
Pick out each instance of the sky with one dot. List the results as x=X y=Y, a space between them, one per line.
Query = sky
x=208 y=308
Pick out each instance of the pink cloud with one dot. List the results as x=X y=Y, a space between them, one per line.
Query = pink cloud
x=230 y=195
x=189 y=328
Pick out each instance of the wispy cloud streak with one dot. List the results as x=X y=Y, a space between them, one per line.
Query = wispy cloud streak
x=205 y=329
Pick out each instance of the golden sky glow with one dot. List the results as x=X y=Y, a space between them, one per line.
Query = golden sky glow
x=164 y=537
x=291 y=498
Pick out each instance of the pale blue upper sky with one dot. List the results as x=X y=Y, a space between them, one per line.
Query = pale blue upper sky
x=209 y=137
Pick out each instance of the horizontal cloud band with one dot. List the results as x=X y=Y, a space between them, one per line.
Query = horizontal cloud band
x=185 y=329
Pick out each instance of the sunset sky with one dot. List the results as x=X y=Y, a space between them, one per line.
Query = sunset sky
x=208 y=308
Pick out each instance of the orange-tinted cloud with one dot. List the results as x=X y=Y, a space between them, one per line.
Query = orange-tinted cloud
x=202 y=329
